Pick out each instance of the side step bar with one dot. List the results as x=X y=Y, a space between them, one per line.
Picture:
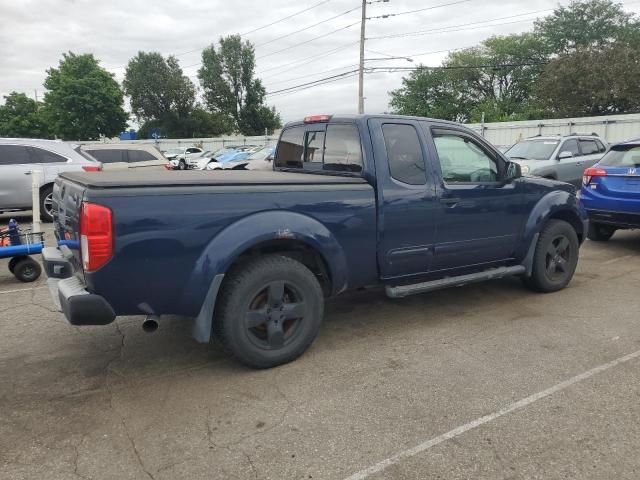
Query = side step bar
x=406 y=290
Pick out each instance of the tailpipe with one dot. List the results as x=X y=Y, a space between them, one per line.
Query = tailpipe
x=150 y=324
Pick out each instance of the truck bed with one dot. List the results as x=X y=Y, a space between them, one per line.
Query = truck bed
x=130 y=179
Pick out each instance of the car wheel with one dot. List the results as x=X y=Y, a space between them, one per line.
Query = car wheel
x=600 y=233
x=27 y=270
x=269 y=311
x=46 y=204
x=182 y=165
x=555 y=259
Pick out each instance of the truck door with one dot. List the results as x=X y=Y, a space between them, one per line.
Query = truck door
x=479 y=215
x=406 y=198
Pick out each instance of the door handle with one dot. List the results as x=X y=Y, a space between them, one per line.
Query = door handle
x=27 y=173
x=578 y=163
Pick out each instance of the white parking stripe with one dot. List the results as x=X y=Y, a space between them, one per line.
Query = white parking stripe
x=22 y=290
x=398 y=457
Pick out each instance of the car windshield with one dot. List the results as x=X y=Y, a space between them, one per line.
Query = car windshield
x=533 y=149
x=173 y=151
x=622 y=156
x=260 y=154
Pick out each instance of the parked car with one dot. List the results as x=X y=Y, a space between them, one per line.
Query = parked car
x=122 y=156
x=559 y=158
x=410 y=204
x=178 y=156
x=260 y=159
x=200 y=162
x=611 y=191
x=19 y=156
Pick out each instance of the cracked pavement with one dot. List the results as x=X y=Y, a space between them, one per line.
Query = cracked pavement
x=384 y=375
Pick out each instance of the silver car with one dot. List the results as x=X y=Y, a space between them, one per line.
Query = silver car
x=19 y=157
x=561 y=158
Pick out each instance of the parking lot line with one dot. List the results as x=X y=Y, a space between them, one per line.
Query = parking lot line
x=398 y=457
x=22 y=290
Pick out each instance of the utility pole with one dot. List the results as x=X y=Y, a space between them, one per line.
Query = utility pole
x=361 y=72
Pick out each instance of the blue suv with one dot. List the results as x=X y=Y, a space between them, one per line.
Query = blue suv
x=611 y=191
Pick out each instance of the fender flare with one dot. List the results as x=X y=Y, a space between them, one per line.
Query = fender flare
x=249 y=232
x=553 y=203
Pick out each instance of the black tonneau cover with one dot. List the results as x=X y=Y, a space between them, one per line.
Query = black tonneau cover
x=158 y=178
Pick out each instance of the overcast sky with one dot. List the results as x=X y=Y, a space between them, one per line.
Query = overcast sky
x=34 y=33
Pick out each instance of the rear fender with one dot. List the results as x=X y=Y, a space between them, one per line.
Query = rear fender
x=253 y=230
x=555 y=204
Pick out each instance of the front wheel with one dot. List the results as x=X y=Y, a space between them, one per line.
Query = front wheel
x=269 y=311
x=600 y=233
x=46 y=204
x=555 y=259
x=182 y=165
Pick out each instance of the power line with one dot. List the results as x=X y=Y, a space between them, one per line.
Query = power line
x=308 y=41
x=264 y=26
x=307 y=28
x=315 y=82
x=313 y=74
x=305 y=61
x=433 y=7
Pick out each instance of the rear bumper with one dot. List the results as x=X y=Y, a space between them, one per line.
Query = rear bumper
x=619 y=219
x=70 y=295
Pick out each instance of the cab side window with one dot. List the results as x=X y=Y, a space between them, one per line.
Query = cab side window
x=404 y=153
x=462 y=160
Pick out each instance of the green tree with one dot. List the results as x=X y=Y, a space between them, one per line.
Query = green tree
x=230 y=88
x=83 y=101
x=592 y=82
x=594 y=24
x=495 y=77
x=21 y=116
x=157 y=88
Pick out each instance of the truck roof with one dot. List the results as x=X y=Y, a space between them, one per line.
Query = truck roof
x=159 y=178
x=364 y=117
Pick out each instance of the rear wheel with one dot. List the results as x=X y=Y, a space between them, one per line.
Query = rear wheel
x=46 y=204
x=599 y=232
x=269 y=311
x=555 y=259
x=27 y=270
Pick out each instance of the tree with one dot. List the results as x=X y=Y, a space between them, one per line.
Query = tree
x=158 y=89
x=594 y=24
x=83 y=101
x=21 y=116
x=495 y=77
x=592 y=82
x=230 y=89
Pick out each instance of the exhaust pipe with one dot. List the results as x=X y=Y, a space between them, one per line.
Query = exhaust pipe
x=150 y=324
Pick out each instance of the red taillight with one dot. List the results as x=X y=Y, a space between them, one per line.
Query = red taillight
x=96 y=236
x=589 y=173
x=317 y=118
x=92 y=168
x=168 y=166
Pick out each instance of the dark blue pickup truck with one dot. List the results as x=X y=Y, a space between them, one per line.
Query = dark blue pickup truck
x=410 y=204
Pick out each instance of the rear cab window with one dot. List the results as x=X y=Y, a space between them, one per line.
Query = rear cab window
x=321 y=147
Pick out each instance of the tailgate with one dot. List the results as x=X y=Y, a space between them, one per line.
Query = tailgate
x=67 y=205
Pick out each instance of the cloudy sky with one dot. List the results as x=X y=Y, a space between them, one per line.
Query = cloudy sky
x=34 y=33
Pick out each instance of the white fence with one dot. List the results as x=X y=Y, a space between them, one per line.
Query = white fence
x=205 y=143
x=613 y=128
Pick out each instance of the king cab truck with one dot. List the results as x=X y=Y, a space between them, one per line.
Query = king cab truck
x=405 y=203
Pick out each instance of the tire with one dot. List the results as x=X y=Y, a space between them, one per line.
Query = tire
x=269 y=311
x=27 y=270
x=599 y=232
x=13 y=261
x=555 y=258
x=182 y=165
x=46 y=204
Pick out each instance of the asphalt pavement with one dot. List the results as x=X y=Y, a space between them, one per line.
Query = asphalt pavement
x=486 y=381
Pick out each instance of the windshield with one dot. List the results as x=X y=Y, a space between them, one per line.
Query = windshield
x=622 y=156
x=533 y=149
x=173 y=151
x=260 y=154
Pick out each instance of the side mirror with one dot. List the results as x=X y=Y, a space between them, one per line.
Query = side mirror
x=565 y=154
x=514 y=171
